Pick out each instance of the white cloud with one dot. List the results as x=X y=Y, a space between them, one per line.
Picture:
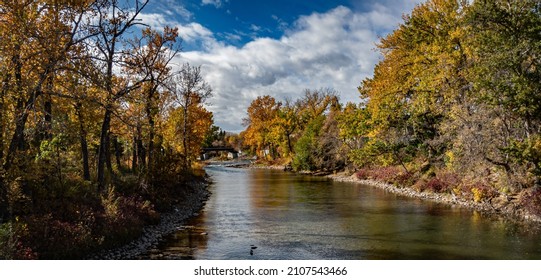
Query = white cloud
x=333 y=49
x=255 y=28
x=190 y=33
x=155 y=20
x=172 y=8
x=215 y=3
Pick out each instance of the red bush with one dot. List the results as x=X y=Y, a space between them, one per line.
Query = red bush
x=363 y=174
x=384 y=174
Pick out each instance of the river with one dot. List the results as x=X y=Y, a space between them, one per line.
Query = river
x=268 y=214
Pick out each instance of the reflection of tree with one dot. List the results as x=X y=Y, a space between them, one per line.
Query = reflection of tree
x=187 y=242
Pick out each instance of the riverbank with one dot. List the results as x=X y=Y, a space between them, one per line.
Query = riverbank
x=507 y=206
x=195 y=197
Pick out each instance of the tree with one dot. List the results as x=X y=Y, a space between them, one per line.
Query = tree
x=39 y=37
x=506 y=48
x=262 y=116
x=315 y=103
x=113 y=22
x=149 y=60
x=287 y=124
x=419 y=78
x=354 y=130
x=189 y=91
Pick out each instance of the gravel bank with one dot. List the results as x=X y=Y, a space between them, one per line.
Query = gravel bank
x=169 y=223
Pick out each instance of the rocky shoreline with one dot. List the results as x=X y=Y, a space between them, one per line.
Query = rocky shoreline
x=169 y=222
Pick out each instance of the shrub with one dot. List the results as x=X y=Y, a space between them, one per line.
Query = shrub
x=51 y=238
x=531 y=201
x=405 y=179
x=123 y=218
x=389 y=174
x=481 y=191
x=11 y=246
x=363 y=174
x=436 y=185
x=386 y=174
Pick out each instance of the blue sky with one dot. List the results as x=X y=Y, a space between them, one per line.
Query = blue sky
x=279 y=47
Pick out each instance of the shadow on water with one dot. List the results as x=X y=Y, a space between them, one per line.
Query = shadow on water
x=264 y=214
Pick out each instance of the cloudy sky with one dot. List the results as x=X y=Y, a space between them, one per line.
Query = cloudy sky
x=249 y=48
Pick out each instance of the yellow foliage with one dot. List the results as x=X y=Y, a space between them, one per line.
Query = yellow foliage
x=450 y=160
x=477 y=194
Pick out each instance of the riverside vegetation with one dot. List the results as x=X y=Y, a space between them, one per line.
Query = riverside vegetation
x=98 y=133
x=454 y=108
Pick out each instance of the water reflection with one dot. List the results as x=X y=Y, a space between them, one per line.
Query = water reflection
x=288 y=216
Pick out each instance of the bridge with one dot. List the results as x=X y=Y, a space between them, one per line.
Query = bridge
x=218 y=149
x=205 y=152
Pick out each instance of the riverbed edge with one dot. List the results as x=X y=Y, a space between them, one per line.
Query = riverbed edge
x=171 y=221
x=502 y=207
x=506 y=210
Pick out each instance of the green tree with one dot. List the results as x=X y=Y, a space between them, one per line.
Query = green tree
x=506 y=48
x=306 y=148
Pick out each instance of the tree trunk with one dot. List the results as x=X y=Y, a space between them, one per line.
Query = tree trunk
x=5 y=87
x=151 y=124
x=47 y=126
x=17 y=138
x=140 y=148
x=83 y=141
x=108 y=161
x=4 y=209
x=118 y=151
x=289 y=146
x=22 y=111
x=185 y=136
x=103 y=148
x=134 y=155
x=48 y=110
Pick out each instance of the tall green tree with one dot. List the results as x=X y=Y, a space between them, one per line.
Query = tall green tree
x=506 y=48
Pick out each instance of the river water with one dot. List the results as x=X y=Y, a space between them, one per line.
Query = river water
x=267 y=214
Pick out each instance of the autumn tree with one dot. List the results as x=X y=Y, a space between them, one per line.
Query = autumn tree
x=78 y=82
x=189 y=92
x=37 y=40
x=149 y=59
x=114 y=20
x=417 y=81
x=315 y=103
x=286 y=127
x=262 y=114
